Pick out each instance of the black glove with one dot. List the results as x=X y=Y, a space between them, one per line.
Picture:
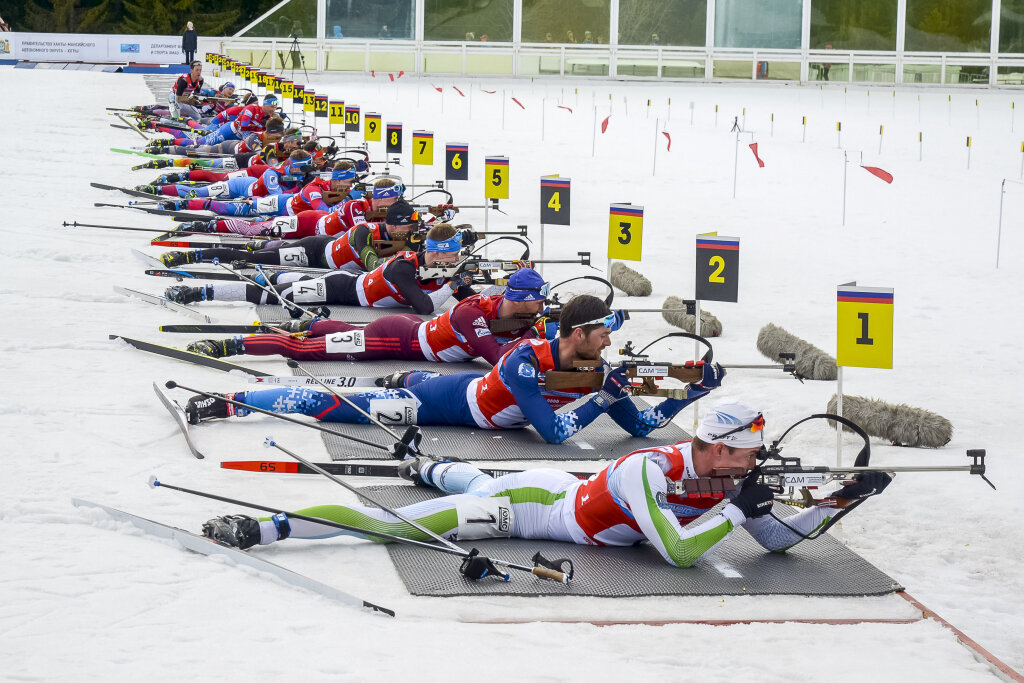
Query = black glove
x=754 y=500
x=475 y=567
x=460 y=280
x=713 y=376
x=865 y=484
x=469 y=237
x=615 y=387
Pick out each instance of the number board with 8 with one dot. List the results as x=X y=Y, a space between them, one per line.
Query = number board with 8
x=394 y=139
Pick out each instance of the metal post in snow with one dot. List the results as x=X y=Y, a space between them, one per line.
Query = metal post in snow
x=696 y=354
x=839 y=412
x=999 y=232
x=593 y=134
x=845 y=161
x=543 y=102
x=654 y=162
x=735 y=163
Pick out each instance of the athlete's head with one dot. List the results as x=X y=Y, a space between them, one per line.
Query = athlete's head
x=585 y=323
x=196 y=70
x=444 y=244
x=273 y=129
x=386 y=191
x=343 y=174
x=731 y=435
x=298 y=164
x=526 y=292
x=291 y=140
x=227 y=90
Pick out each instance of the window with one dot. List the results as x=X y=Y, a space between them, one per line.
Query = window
x=487 y=21
x=860 y=25
x=1011 y=26
x=658 y=22
x=566 y=21
x=758 y=24
x=949 y=25
x=296 y=19
x=382 y=19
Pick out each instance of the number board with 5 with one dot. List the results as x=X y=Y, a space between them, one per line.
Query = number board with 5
x=718 y=268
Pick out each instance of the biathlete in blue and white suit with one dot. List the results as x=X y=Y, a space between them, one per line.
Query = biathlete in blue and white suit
x=249 y=120
x=510 y=396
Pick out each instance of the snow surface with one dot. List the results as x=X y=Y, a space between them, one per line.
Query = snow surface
x=80 y=602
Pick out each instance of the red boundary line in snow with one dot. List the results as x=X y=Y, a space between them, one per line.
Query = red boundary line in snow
x=999 y=665
x=703 y=622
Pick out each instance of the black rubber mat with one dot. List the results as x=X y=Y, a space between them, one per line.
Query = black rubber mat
x=822 y=567
x=600 y=440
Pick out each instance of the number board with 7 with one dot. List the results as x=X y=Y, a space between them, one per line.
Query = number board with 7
x=864 y=326
x=555 y=203
x=718 y=268
x=422 y=148
x=456 y=161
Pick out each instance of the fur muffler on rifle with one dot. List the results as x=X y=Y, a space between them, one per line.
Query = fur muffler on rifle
x=629 y=281
x=902 y=425
x=811 y=362
x=710 y=326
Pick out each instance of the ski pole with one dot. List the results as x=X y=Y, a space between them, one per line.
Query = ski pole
x=171 y=384
x=288 y=306
x=542 y=572
x=76 y=224
x=407 y=444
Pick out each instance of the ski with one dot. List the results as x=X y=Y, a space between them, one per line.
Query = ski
x=169 y=213
x=217 y=329
x=164 y=303
x=340 y=468
x=135 y=151
x=186 y=242
x=151 y=261
x=343 y=382
x=192 y=274
x=187 y=356
x=129 y=124
x=208 y=546
x=133 y=193
x=179 y=416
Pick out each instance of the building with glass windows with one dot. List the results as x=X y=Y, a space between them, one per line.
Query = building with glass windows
x=952 y=42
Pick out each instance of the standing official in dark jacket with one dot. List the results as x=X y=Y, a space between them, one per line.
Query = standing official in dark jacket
x=189 y=41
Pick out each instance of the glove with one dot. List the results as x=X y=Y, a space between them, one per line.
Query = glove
x=754 y=500
x=362 y=166
x=615 y=388
x=524 y=264
x=469 y=236
x=712 y=377
x=620 y=318
x=540 y=328
x=460 y=280
x=475 y=567
x=864 y=484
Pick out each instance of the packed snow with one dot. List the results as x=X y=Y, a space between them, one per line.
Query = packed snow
x=86 y=598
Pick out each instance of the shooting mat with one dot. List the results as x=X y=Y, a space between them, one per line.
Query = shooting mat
x=822 y=567
x=602 y=439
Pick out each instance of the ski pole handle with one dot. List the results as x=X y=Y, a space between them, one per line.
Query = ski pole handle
x=545 y=573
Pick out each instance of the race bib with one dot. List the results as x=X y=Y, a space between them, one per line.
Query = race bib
x=229 y=164
x=345 y=342
x=238 y=174
x=218 y=189
x=310 y=291
x=293 y=256
x=394 y=411
x=285 y=225
x=267 y=204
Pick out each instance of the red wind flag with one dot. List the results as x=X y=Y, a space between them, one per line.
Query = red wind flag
x=604 y=124
x=669 y=149
x=569 y=108
x=489 y=92
x=879 y=173
x=392 y=77
x=440 y=90
x=458 y=91
x=373 y=74
x=401 y=73
x=519 y=103
x=753 y=148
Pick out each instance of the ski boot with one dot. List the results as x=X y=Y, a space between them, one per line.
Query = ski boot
x=416 y=470
x=202 y=408
x=237 y=531
x=148 y=189
x=199 y=226
x=175 y=205
x=173 y=259
x=395 y=381
x=217 y=348
x=169 y=179
x=183 y=294
x=296 y=326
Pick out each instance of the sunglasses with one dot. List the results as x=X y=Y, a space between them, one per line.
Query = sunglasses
x=608 y=321
x=543 y=290
x=755 y=425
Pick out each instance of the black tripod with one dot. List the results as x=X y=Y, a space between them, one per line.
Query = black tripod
x=296 y=57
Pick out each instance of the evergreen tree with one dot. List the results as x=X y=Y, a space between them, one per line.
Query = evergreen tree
x=147 y=17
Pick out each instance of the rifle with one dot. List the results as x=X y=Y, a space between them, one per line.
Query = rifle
x=483 y=270
x=785 y=477
x=588 y=375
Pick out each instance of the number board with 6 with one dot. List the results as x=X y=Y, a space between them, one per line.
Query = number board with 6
x=456 y=161
x=718 y=268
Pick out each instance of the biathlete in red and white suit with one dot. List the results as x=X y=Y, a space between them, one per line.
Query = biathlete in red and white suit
x=395 y=283
x=460 y=333
x=511 y=395
x=626 y=503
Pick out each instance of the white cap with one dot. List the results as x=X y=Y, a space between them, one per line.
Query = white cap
x=724 y=418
